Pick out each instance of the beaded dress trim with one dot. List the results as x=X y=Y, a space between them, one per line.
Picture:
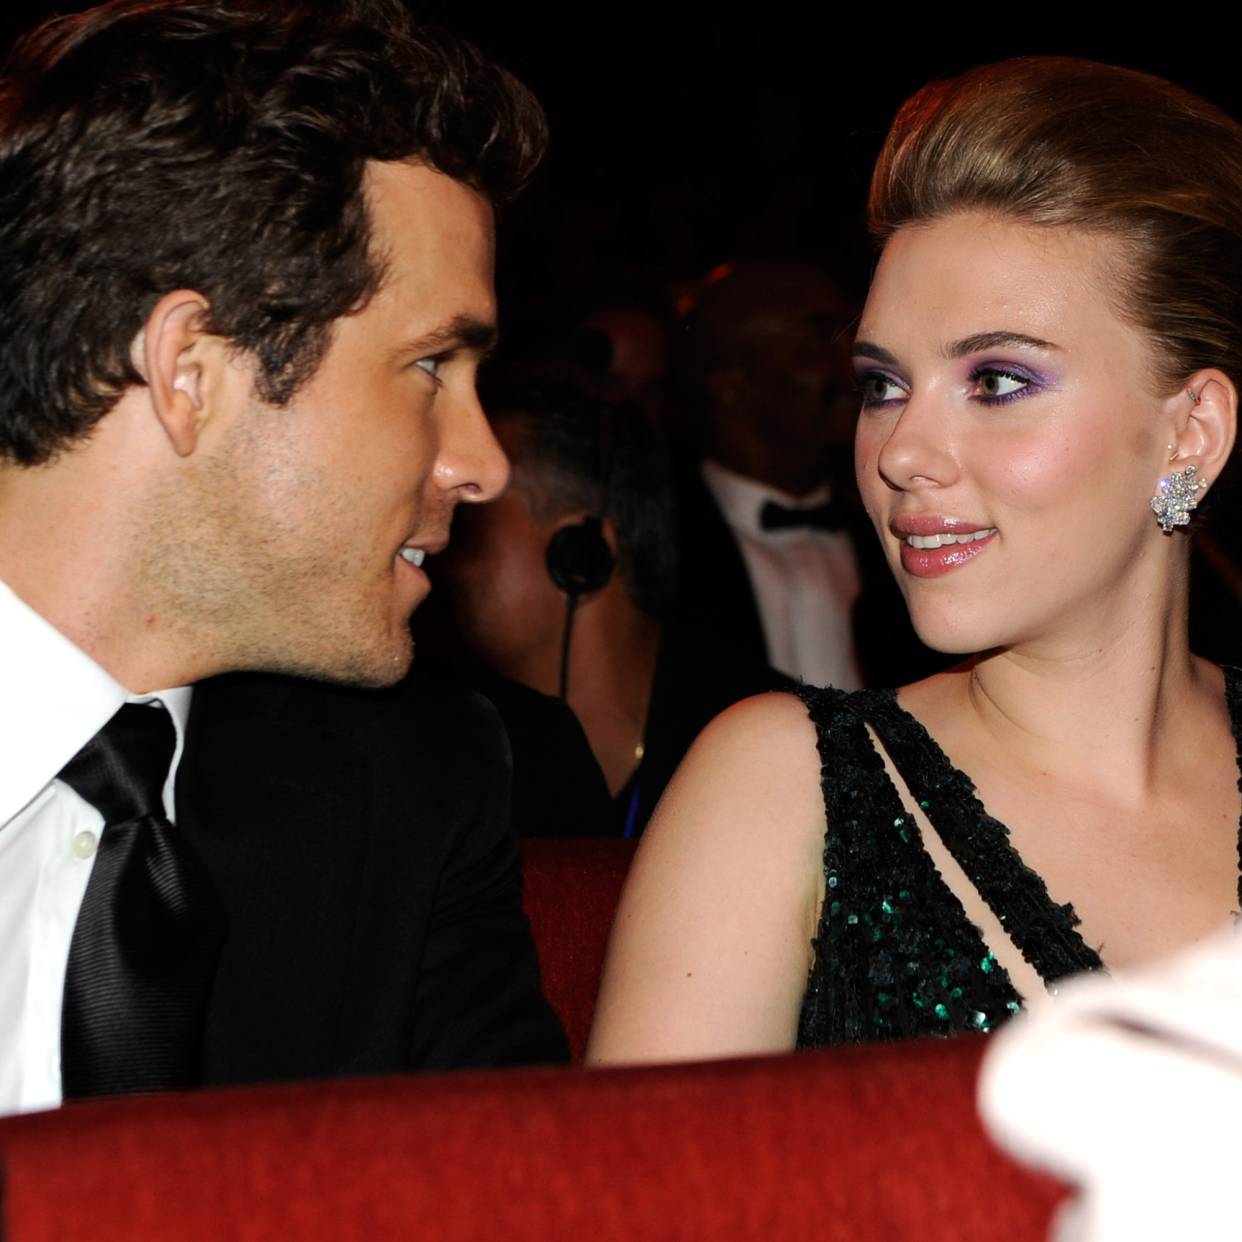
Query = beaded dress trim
x=895 y=954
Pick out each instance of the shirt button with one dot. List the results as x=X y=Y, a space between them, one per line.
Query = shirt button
x=84 y=845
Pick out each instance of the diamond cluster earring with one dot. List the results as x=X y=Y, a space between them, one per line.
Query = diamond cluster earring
x=1175 y=500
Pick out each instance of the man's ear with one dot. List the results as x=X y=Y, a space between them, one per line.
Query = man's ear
x=609 y=530
x=1206 y=423
x=176 y=357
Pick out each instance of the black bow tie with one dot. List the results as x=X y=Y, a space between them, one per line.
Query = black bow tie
x=828 y=516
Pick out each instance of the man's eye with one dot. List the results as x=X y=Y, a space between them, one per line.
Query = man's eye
x=993 y=385
x=878 y=388
x=430 y=365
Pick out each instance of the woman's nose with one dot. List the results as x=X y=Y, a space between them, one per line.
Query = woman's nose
x=919 y=449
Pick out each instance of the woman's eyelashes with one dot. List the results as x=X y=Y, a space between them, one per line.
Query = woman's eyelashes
x=877 y=388
x=988 y=384
x=998 y=385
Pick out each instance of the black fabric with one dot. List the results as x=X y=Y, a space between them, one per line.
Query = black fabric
x=715 y=595
x=696 y=678
x=362 y=846
x=829 y=516
x=895 y=955
x=1215 y=599
x=145 y=945
x=559 y=789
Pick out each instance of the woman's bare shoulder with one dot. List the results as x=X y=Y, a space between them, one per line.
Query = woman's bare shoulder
x=774 y=724
x=712 y=940
x=757 y=764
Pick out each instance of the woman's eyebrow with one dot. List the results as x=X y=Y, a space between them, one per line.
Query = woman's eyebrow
x=991 y=340
x=877 y=353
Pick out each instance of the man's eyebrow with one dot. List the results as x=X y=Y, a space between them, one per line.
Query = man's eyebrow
x=463 y=332
x=992 y=340
x=877 y=353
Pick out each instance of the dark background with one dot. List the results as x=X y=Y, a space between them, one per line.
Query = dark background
x=684 y=135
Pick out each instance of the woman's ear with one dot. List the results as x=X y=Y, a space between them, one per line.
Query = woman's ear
x=175 y=356
x=1206 y=423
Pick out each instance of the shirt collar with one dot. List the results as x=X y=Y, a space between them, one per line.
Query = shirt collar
x=53 y=699
x=741 y=500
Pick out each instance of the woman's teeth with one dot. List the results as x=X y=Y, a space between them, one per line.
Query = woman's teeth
x=939 y=541
x=413 y=555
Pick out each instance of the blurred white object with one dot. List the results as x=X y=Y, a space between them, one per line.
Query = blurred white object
x=1131 y=1089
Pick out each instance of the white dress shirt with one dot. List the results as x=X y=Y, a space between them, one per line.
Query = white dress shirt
x=53 y=699
x=805 y=580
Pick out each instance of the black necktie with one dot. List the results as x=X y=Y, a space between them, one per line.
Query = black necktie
x=828 y=516
x=148 y=935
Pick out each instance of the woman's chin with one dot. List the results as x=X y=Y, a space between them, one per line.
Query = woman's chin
x=952 y=634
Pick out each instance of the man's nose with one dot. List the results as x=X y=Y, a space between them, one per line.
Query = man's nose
x=471 y=463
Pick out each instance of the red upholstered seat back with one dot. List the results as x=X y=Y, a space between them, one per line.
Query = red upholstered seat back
x=851 y=1145
x=570 y=891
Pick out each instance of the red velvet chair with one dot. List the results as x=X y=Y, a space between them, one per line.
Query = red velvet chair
x=570 y=890
x=870 y=1143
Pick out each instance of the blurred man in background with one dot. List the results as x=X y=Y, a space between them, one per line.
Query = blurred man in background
x=639 y=357
x=642 y=688
x=774 y=548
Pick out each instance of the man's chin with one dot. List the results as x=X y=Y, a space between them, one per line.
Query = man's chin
x=380 y=670
x=357 y=665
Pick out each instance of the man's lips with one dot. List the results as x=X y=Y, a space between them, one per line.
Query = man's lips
x=415 y=553
x=932 y=545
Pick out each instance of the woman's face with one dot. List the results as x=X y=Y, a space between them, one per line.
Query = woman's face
x=1005 y=404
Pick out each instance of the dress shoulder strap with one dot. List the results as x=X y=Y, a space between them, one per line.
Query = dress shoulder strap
x=895 y=954
x=1043 y=931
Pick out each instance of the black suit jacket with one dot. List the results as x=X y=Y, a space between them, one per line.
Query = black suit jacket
x=559 y=789
x=696 y=678
x=715 y=595
x=362 y=846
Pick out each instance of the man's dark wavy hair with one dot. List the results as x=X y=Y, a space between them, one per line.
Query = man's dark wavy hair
x=217 y=145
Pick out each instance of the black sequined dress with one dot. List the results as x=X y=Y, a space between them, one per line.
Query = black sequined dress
x=895 y=955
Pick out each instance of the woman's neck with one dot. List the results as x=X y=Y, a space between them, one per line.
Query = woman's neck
x=1117 y=702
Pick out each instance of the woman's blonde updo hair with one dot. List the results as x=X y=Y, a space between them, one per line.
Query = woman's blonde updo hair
x=1056 y=141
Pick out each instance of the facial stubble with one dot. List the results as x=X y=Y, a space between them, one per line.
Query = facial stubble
x=247 y=558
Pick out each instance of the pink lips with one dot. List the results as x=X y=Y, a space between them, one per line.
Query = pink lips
x=936 y=562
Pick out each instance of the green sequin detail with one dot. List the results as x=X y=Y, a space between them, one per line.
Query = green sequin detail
x=906 y=962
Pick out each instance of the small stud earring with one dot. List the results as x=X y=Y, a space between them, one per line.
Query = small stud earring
x=1175 y=500
x=1194 y=396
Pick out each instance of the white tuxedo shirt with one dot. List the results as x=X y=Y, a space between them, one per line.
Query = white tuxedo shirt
x=805 y=580
x=53 y=699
